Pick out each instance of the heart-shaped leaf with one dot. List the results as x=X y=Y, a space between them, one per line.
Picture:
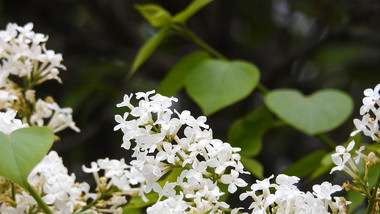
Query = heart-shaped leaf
x=215 y=84
x=321 y=112
x=22 y=150
x=175 y=79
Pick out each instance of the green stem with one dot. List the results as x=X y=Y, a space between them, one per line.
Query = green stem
x=372 y=200
x=188 y=34
x=39 y=200
x=263 y=89
x=13 y=191
x=95 y=201
x=326 y=140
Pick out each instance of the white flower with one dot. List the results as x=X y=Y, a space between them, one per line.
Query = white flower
x=94 y=168
x=325 y=190
x=8 y=122
x=171 y=205
x=341 y=156
x=233 y=180
x=126 y=102
x=263 y=201
x=359 y=154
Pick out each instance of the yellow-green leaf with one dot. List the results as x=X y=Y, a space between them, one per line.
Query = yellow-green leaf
x=320 y=112
x=176 y=77
x=155 y=14
x=22 y=150
x=215 y=84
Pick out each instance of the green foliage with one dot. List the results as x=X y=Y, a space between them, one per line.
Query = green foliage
x=155 y=14
x=215 y=84
x=306 y=165
x=356 y=200
x=312 y=114
x=337 y=55
x=132 y=211
x=373 y=174
x=137 y=202
x=247 y=132
x=22 y=150
x=175 y=79
x=194 y=7
x=148 y=48
x=253 y=166
x=159 y=17
x=83 y=213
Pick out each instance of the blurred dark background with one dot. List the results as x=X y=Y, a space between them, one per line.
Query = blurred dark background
x=307 y=45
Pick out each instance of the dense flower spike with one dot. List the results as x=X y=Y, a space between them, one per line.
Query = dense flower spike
x=158 y=147
x=23 y=56
x=23 y=53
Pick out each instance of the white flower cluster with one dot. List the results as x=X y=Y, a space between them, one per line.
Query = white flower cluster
x=369 y=125
x=159 y=147
x=370 y=110
x=116 y=173
x=23 y=53
x=58 y=189
x=286 y=198
x=343 y=159
x=25 y=60
x=342 y=156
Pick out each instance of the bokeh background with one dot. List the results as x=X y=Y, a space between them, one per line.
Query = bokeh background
x=306 y=45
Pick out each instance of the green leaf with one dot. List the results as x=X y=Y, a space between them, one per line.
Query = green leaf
x=132 y=211
x=137 y=202
x=155 y=14
x=356 y=200
x=190 y=10
x=22 y=150
x=247 y=133
x=321 y=170
x=215 y=84
x=176 y=77
x=253 y=166
x=306 y=165
x=148 y=48
x=321 y=112
x=373 y=173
